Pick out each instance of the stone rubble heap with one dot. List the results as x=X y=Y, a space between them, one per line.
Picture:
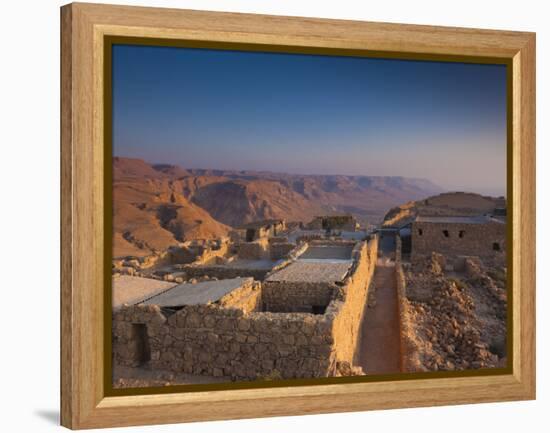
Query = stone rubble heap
x=444 y=315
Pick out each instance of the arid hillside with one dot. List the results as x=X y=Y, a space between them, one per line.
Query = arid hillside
x=300 y=197
x=156 y=206
x=446 y=204
x=149 y=214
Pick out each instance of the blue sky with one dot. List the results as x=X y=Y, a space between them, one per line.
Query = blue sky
x=312 y=114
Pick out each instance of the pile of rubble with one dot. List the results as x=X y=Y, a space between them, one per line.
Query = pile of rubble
x=459 y=323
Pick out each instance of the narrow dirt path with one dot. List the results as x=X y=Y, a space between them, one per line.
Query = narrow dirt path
x=379 y=348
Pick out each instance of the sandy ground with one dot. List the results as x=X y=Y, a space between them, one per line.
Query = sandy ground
x=140 y=377
x=379 y=346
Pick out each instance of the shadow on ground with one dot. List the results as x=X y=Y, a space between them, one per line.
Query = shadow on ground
x=50 y=415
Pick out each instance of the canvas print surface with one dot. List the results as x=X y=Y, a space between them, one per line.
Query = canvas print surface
x=290 y=216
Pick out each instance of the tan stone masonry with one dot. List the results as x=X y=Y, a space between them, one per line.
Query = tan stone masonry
x=233 y=338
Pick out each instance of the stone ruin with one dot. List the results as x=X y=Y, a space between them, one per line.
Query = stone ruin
x=333 y=222
x=453 y=236
x=258 y=230
x=302 y=321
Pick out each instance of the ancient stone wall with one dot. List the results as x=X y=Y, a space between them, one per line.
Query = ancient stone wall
x=180 y=255
x=409 y=350
x=210 y=253
x=223 y=272
x=215 y=341
x=333 y=222
x=279 y=250
x=296 y=296
x=451 y=239
x=346 y=311
x=398 y=248
x=232 y=338
x=247 y=298
x=256 y=250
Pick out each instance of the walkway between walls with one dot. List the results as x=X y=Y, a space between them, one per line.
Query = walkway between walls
x=379 y=351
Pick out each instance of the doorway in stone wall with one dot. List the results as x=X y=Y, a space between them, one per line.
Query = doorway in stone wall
x=143 y=349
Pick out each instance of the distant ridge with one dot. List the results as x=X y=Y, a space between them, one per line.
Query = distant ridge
x=158 y=205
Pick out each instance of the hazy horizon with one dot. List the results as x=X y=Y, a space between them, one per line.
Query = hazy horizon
x=312 y=115
x=494 y=193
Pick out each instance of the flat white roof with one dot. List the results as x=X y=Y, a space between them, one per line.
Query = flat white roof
x=131 y=290
x=196 y=294
x=313 y=271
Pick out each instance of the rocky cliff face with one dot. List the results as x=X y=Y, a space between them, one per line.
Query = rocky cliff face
x=156 y=206
x=150 y=213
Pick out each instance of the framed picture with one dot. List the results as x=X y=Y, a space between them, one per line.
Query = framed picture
x=268 y=216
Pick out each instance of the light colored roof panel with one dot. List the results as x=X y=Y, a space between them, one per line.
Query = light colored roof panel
x=131 y=290
x=251 y=264
x=313 y=271
x=196 y=294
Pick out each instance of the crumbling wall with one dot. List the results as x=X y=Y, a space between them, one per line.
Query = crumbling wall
x=333 y=222
x=453 y=323
x=346 y=311
x=309 y=237
x=256 y=250
x=473 y=267
x=181 y=255
x=134 y=266
x=247 y=298
x=408 y=346
x=210 y=253
x=280 y=250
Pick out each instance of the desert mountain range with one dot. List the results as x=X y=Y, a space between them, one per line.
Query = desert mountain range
x=155 y=206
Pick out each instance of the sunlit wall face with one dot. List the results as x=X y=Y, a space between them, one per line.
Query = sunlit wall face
x=307 y=114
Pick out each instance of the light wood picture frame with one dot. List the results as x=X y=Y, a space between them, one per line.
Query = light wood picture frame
x=86 y=29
